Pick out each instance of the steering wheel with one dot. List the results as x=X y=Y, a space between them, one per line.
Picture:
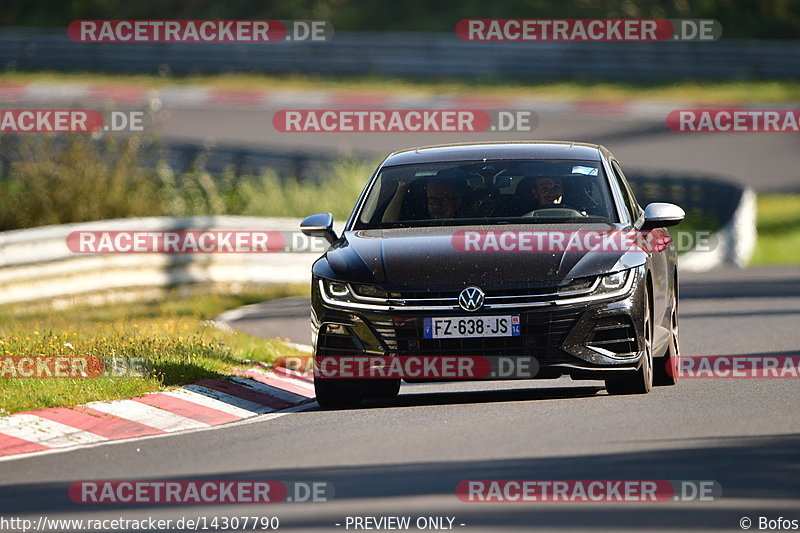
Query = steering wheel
x=570 y=211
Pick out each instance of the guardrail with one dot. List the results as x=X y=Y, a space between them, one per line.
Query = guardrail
x=711 y=201
x=37 y=264
x=413 y=54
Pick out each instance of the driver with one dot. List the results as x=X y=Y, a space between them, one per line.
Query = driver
x=445 y=197
x=547 y=191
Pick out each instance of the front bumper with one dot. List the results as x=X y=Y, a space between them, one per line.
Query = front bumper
x=591 y=338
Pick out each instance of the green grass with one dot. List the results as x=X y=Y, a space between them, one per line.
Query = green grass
x=696 y=92
x=172 y=336
x=778 y=230
x=76 y=178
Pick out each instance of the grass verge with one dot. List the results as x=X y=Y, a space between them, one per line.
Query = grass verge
x=778 y=226
x=171 y=335
x=55 y=180
x=697 y=92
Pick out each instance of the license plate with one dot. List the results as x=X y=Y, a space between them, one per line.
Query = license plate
x=464 y=327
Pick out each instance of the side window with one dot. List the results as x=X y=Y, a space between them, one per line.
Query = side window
x=627 y=193
x=621 y=186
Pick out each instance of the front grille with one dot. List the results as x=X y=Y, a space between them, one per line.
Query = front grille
x=387 y=332
x=525 y=291
x=541 y=336
x=616 y=335
x=493 y=297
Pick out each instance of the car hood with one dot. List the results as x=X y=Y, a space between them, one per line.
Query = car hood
x=427 y=259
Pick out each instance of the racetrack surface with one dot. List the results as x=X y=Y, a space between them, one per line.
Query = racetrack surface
x=407 y=458
x=768 y=162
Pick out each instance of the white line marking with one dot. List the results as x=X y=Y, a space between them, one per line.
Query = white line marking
x=147 y=415
x=251 y=420
x=207 y=401
x=270 y=390
x=298 y=382
x=46 y=432
x=253 y=407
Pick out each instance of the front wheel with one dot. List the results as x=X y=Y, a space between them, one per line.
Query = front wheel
x=641 y=381
x=382 y=389
x=666 y=368
x=336 y=393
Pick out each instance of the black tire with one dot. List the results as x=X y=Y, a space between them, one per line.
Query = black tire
x=641 y=381
x=336 y=393
x=382 y=389
x=665 y=369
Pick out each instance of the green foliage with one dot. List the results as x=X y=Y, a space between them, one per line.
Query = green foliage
x=74 y=178
x=778 y=227
x=56 y=180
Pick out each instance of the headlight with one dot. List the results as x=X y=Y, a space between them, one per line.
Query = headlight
x=337 y=289
x=340 y=290
x=578 y=286
x=368 y=291
x=614 y=281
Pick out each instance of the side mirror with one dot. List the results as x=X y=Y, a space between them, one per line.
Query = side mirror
x=319 y=225
x=662 y=215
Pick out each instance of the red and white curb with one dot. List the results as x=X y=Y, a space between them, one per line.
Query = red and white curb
x=193 y=407
x=105 y=94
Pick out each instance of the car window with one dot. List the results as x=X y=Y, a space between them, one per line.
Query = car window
x=627 y=194
x=520 y=191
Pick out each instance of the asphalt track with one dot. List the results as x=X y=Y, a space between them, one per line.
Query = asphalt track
x=406 y=459
x=768 y=162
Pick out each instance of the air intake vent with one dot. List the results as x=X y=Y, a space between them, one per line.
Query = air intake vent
x=334 y=339
x=615 y=335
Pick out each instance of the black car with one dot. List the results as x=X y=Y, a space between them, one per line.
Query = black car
x=506 y=253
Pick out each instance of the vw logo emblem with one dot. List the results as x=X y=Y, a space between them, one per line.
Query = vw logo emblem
x=471 y=299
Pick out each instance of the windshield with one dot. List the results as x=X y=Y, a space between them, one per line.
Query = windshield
x=488 y=192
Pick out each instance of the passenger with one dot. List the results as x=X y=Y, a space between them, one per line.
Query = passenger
x=444 y=198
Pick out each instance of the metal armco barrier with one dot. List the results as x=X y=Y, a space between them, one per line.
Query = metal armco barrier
x=415 y=54
x=37 y=264
x=711 y=201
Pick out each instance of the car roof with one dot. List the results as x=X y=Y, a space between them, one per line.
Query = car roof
x=498 y=150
